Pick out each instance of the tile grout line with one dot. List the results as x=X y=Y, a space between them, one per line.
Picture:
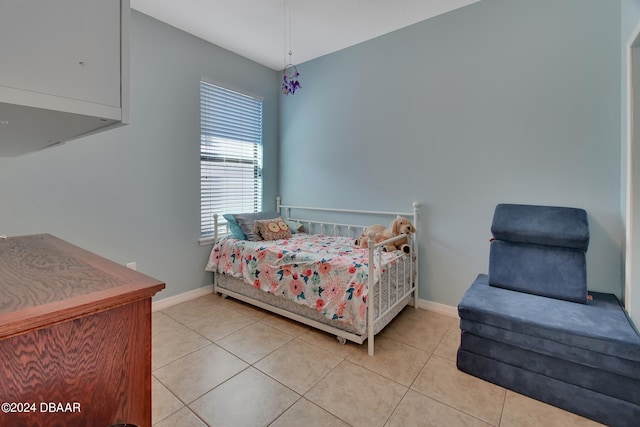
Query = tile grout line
x=504 y=401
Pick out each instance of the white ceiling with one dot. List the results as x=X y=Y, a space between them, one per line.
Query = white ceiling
x=259 y=29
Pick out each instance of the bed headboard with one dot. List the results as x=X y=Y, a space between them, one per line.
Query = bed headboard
x=339 y=221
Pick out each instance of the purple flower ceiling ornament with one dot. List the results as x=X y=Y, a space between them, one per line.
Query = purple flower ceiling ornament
x=290 y=75
x=290 y=81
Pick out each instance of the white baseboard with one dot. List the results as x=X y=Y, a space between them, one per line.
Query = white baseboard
x=436 y=307
x=183 y=297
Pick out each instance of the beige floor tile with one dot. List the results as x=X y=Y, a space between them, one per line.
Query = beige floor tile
x=183 y=418
x=161 y=323
x=522 y=411
x=286 y=325
x=328 y=342
x=356 y=395
x=392 y=359
x=441 y=380
x=418 y=410
x=298 y=365
x=410 y=313
x=163 y=402
x=448 y=347
x=305 y=412
x=187 y=312
x=249 y=399
x=254 y=342
x=193 y=375
x=224 y=323
x=419 y=328
x=176 y=342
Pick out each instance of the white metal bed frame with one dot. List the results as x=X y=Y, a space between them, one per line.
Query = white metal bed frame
x=375 y=249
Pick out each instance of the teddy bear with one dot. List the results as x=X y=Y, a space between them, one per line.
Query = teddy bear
x=399 y=226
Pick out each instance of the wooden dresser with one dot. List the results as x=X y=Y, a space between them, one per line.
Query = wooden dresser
x=75 y=337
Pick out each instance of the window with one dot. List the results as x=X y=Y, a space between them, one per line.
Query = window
x=230 y=155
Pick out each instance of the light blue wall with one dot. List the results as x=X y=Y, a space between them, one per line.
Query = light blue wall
x=500 y=101
x=133 y=193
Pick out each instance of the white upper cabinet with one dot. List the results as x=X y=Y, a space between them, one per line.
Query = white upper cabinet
x=63 y=70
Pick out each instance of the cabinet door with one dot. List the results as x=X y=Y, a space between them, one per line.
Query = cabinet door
x=98 y=367
x=65 y=48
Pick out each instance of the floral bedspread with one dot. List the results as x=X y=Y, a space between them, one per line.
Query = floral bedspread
x=327 y=273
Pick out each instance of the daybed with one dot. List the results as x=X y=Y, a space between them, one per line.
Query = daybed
x=315 y=274
x=531 y=326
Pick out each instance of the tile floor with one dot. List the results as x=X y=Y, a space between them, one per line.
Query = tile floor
x=220 y=362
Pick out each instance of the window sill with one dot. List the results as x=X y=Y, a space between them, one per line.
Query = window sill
x=210 y=240
x=206 y=241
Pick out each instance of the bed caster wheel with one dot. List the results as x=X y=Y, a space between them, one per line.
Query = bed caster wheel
x=342 y=340
x=224 y=296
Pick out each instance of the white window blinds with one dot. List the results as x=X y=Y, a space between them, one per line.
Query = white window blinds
x=230 y=155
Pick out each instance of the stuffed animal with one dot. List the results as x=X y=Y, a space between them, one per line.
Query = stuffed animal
x=398 y=226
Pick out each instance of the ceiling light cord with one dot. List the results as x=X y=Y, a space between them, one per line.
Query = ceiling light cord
x=290 y=82
x=284 y=34
x=290 y=45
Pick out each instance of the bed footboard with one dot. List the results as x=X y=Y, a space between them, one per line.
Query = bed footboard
x=405 y=284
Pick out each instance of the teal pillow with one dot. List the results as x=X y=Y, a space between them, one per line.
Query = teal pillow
x=234 y=227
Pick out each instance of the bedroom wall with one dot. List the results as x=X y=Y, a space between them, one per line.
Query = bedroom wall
x=500 y=101
x=133 y=193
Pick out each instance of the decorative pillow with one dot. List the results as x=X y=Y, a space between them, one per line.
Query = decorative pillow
x=272 y=229
x=234 y=227
x=246 y=220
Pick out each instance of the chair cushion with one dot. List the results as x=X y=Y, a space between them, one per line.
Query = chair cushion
x=555 y=349
x=542 y=225
x=598 y=406
x=601 y=325
x=549 y=271
x=569 y=371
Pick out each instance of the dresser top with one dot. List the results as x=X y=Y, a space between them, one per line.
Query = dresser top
x=44 y=279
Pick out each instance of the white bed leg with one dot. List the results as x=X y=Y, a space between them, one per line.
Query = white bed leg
x=341 y=340
x=224 y=296
x=414 y=253
x=371 y=287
